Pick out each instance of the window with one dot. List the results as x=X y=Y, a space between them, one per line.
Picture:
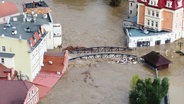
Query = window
x=148 y=22
x=152 y=23
x=130 y=4
x=169 y=4
x=130 y=11
x=157 y=14
x=3 y=48
x=2 y=60
x=32 y=91
x=179 y=3
x=153 y=13
x=151 y=2
x=156 y=24
x=148 y=12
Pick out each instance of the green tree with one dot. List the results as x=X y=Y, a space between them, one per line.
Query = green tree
x=135 y=78
x=148 y=91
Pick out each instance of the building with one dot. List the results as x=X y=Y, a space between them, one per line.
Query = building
x=7 y=9
x=7 y=73
x=26 y=37
x=54 y=37
x=55 y=64
x=132 y=8
x=18 y=92
x=158 y=22
x=156 y=60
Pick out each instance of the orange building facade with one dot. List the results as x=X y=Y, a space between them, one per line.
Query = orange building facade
x=160 y=15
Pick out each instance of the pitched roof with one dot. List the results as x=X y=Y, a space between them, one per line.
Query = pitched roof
x=8 y=8
x=3 y=71
x=14 y=92
x=53 y=63
x=162 y=4
x=155 y=59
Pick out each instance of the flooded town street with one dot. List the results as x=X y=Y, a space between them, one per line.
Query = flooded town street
x=91 y=23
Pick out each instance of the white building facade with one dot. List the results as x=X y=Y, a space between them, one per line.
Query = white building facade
x=25 y=38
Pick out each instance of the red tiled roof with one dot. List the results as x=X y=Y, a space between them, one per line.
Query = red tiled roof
x=45 y=81
x=48 y=76
x=13 y=92
x=3 y=71
x=32 y=41
x=8 y=8
x=162 y=4
x=57 y=63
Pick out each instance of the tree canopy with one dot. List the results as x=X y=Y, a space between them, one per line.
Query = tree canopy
x=148 y=91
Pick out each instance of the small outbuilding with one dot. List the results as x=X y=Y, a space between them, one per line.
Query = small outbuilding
x=156 y=60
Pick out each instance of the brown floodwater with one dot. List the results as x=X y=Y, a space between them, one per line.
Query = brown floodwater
x=89 y=23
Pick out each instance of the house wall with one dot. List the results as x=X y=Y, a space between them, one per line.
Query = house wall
x=32 y=96
x=132 y=8
x=57 y=31
x=22 y=57
x=27 y=61
x=49 y=37
x=133 y=41
x=153 y=18
x=8 y=62
x=141 y=13
x=39 y=10
x=7 y=18
x=37 y=58
x=167 y=22
x=177 y=22
x=53 y=41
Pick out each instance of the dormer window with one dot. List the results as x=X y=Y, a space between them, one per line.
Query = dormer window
x=144 y=0
x=169 y=4
x=179 y=3
x=153 y=2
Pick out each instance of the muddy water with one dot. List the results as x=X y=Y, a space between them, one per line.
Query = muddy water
x=89 y=22
x=93 y=23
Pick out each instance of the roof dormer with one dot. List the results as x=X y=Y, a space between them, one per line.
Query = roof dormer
x=153 y=2
x=169 y=4
x=179 y=3
x=144 y=0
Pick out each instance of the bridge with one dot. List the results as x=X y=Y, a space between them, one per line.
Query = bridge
x=98 y=50
x=124 y=57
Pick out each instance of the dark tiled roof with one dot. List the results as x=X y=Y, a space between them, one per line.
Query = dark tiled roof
x=7 y=55
x=36 y=4
x=155 y=59
x=14 y=92
x=8 y=8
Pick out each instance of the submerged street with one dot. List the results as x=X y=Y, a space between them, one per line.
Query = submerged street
x=91 y=23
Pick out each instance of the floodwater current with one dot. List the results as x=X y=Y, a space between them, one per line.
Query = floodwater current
x=93 y=23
